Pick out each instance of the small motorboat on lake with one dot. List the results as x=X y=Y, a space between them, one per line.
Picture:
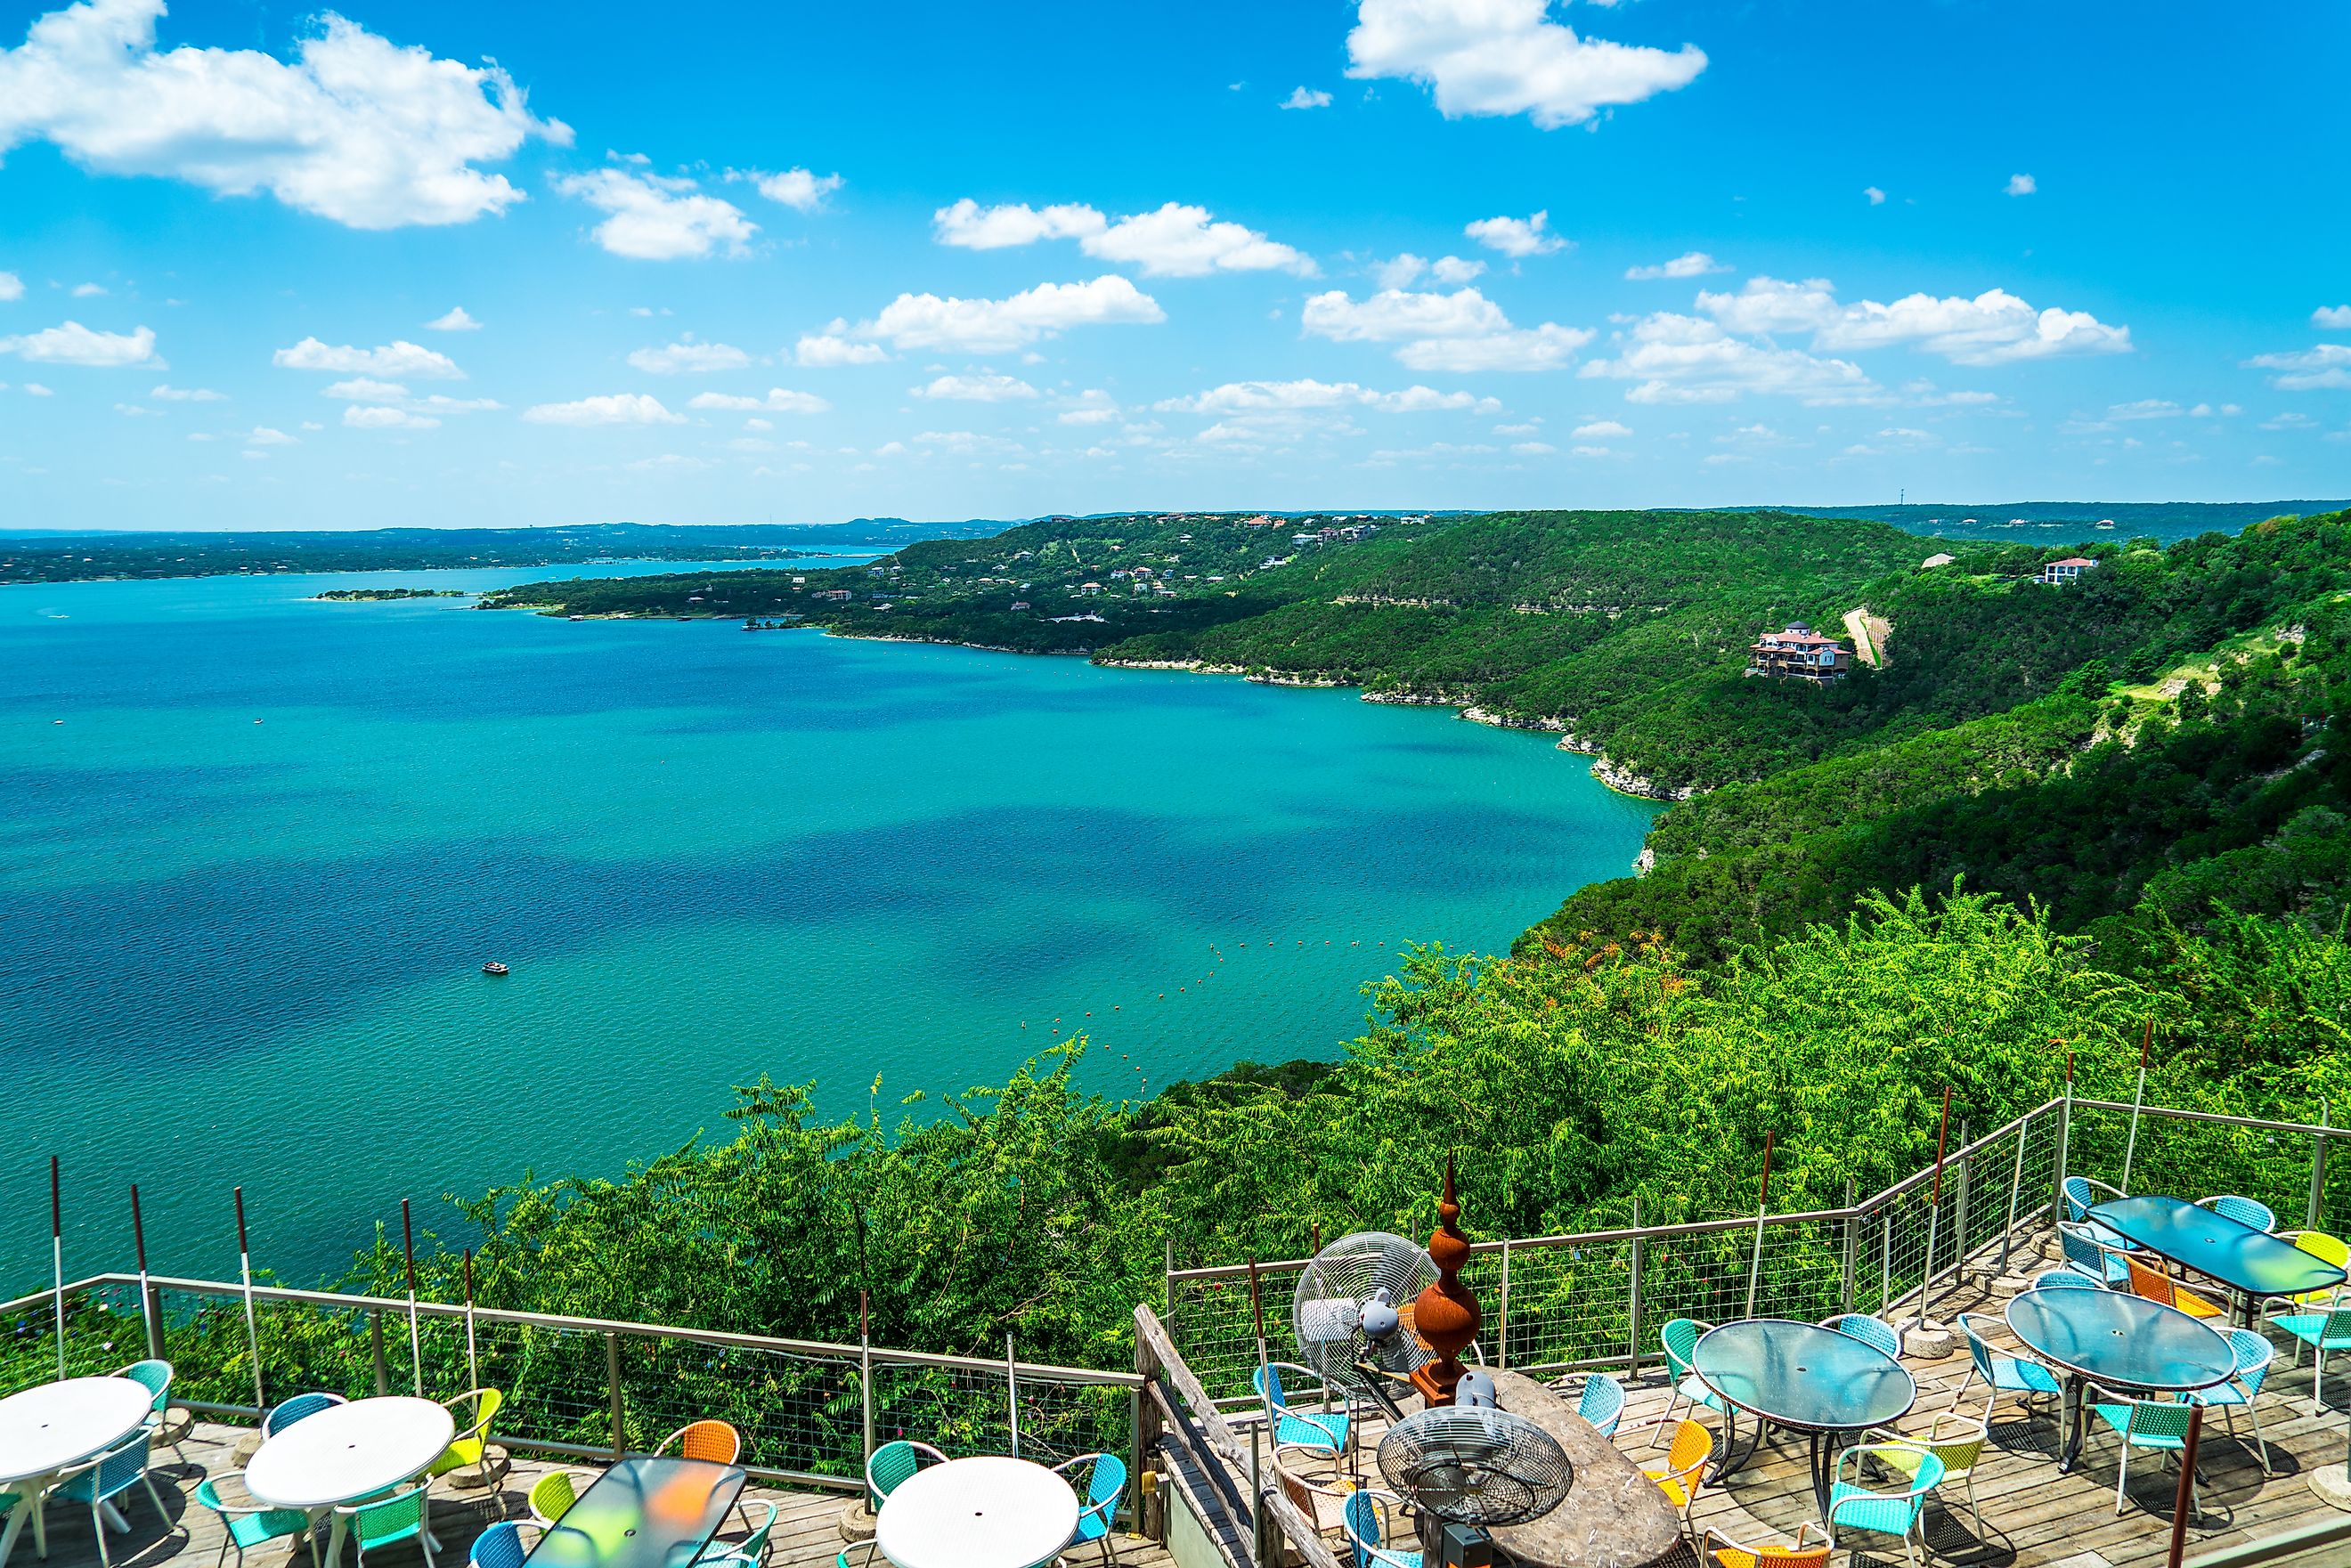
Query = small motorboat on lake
x=494 y=967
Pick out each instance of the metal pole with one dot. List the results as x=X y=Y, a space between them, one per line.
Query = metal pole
x=1501 y=1334
x=416 y=1342
x=612 y=1382
x=1012 y=1392
x=2015 y=1188
x=1935 y=1206
x=473 y=1362
x=1167 y=1295
x=2138 y=1098
x=1885 y=1263
x=252 y=1333
x=1634 y=1293
x=2317 y=1208
x=1852 y=1249
x=2183 y=1501
x=1762 y=1207
x=375 y=1347
x=865 y=1369
x=2064 y=1141
x=57 y=1259
x=1960 y=1209
x=147 y=1316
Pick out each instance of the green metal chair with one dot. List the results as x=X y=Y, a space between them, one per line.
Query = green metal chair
x=107 y=1477
x=245 y=1524
x=2323 y=1331
x=470 y=1446
x=1854 y=1507
x=389 y=1520
x=2158 y=1424
x=155 y=1376
x=1679 y=1338
x=2255 y=1355
x=892 y=1463
x=1958 y=1440
x=751 y=1549
x=552 y=1497
x=301 y=1407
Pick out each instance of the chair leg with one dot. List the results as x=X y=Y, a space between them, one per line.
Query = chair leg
x=154 y=1497
x=97 y=1528
x=2122 y=1474
x=2261 y=1442
x=1973 y=1507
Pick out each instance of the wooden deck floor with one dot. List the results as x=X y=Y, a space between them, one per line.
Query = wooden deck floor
x=806 y=1533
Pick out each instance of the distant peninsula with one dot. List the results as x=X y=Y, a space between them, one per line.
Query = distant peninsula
x=372 y=595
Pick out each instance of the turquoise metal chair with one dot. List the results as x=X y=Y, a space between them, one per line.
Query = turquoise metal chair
x=752 y=1548
x=2323 y=1331
x=2083 y=1194
x=1678 y=1339
x=2004 y=1373
x=892 y=1462
x=2250 y=1211
x=107 y=1477
x=1105 y=1485
x=155 y=1376
x=301 y=1407
x=1602 y=1402
x=2062 y=1280
x=245 y=1524
x=390 y=1518
x=500 y=1546
x=1321 y=1431
x=1878 y=1336
x=1854 y=1507
x=2255 y=1355
x=1367 y=1524
x=2094 y=1252
x=2158 y=1424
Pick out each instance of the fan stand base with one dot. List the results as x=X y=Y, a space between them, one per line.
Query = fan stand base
x=1444 y=1544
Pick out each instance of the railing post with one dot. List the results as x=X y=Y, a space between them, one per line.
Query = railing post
x=612 y=1379
x=2317 y=1209
x=1852 y=1249
x=2015 y=1186
x=865 y=1372
x=1167 y=1283
x=1146 y=1442
x=1959 y=1214
x=2064 y=1140
x=1633 y=1297
x=1012 y=1393
x=375 y=1349
x=1502 y=1334
x=1886 y=1264
x=151 y=1309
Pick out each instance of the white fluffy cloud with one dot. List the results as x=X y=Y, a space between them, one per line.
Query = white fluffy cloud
x=833 y=346
x=354 y=128
x=1992 y=329
x=657 y=217
x=802 y=190
x=11 y=287
x=398 y=358
x=1685 y=359
x=72 y=343
x=1307 y=97
x=1174 y=241
x=1406 y=269
x=1462 y=332
x=975 y=389
x=1876 y=197
x=168 y=393
x=1507 y=57
x=983 y=325
x=1689 y=264
x=2020 y=185
x=2327 y=317
x=455 y=320
x=1600 y=430
x=1242 y=398
x=358 y=418
x=262 y=435
x=611 y=408
x=687 y=357
x=1530 y=235
x=2328 y=365
x=779 y=400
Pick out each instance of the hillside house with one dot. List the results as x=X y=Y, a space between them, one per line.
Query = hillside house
x=1089 y=588
x=1798 y=654
x=2058 y=573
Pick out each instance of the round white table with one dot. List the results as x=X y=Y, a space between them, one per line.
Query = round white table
x=347 y=1452
x=983 y=1512
x=48 y=1429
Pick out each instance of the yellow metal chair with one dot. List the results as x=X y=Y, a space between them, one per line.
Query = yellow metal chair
x=2156 y=1285
x=552 y=1497
x=2326 y=1250
x=470 y=1446
x=1796 y=1555
x=1683 y=1471
x=1958 y=1440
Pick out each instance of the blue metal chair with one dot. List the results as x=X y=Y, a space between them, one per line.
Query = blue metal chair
x=2004 y=1373
x=2062 y=1280
x=1105 y=1485
x=500 y=1546
x=155 y=1376
x=301 y=1407
x=2158 y=1424
x=1856 y=1506
x=1877 y=1335
x=107 y=1477
x=2250 y=1211
x=2255 y=1355
x=1367 y=1527
x=1321 y=1431
x=392 y=1517
x=2094 y=1252
x=752 y=1548
x=2083 y=1194
x=2323 y=1331
x=245 y=1524
x=892 y=1463
x=1602 y=1402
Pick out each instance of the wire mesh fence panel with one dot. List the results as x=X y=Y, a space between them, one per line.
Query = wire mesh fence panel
x=1215 y=1330
x=555 y=1381
x=793 y=1412
x=103 y=1333
x=1059 y=1421
x=304 y=1346
x=2193 y=1159
x=957 y=1410
x=1569 y=1304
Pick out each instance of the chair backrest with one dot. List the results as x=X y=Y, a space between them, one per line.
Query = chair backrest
x=486 y=1403
x=2335 y=1333
x=1877 y=1335
x=1958 y=1441
x=892 y=1463
x=122 y=1465
x=715 y=1441
x=1681 y=1337
x=2250 y=1211
x=1979 y=1351
x=2325 y=1248
x=2078 y=1196
x=1363 y=1521
x=1107 y=1482
x=500 y=1546
x=552 y=1495
x=2155 y=1418
x=2080 y=1252
x=299 y=1407
x=387 y=1517
x=1602 y=1403
x=2254 y=1354
x=2063 y=1279
x=155 y=1376
x=2152 y=1283
x=1267 y=1381
x=1692 y=1446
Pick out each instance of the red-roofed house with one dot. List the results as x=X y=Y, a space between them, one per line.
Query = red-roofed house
x=2058 y=573
x=1798 y=654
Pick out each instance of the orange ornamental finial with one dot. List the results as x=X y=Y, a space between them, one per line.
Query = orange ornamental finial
x=1445 y=1316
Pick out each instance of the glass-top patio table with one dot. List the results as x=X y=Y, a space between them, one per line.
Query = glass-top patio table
x=2252 y=1264
x=643 y=1513
x=1824 y=1384
x=2122 y=1343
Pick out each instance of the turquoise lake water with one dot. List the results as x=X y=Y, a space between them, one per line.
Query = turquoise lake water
x=255 y=850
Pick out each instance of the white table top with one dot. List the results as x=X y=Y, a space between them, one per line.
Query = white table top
x=348 y=1451
x=47 y=1429
x=984 y=1512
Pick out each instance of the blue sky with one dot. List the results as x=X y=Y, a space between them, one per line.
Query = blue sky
x=474 y=264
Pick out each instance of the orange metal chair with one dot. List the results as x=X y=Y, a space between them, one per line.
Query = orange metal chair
x=1731 y=1554
x=713 y=1441
x=1684 y=1467
x=2158 y=1286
